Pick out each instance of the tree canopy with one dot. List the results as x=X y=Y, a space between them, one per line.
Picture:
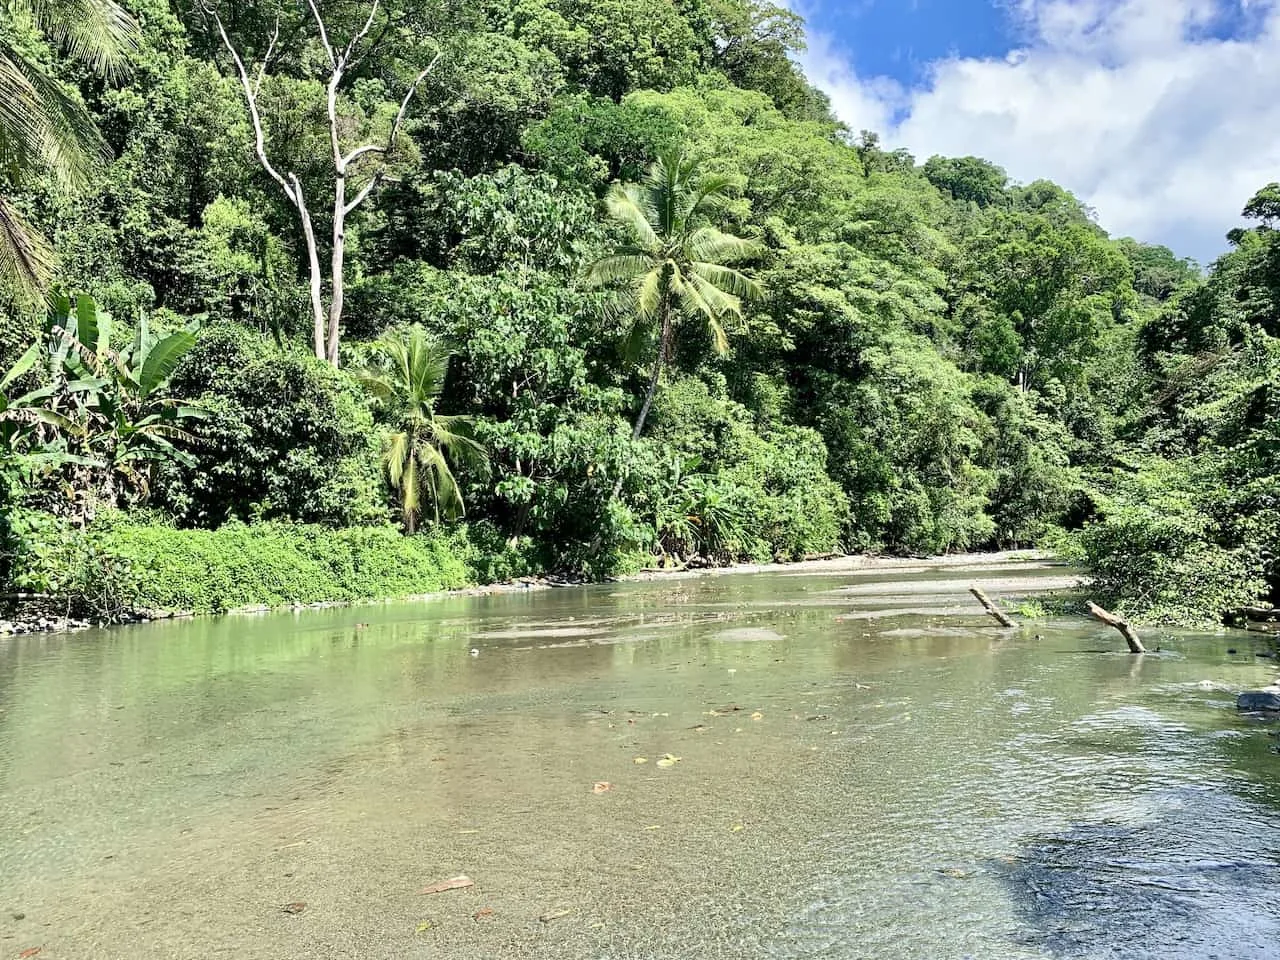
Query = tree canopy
x=922 y=356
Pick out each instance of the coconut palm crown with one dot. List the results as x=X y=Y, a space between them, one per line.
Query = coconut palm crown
x=407 y=375
x=677 y=265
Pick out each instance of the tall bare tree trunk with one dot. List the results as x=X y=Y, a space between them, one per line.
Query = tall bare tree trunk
x=313 y=267
x=339 y=255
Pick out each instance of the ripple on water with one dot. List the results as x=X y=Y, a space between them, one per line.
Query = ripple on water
x=1159 y=888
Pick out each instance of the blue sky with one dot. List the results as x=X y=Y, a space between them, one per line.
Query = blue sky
x=899 y=38
x=1161 y=114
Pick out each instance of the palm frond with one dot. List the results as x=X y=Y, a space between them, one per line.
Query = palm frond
x=711 y=186
x=637 y=341
x=715 y=246
x=689 y=296
x=26 y=259
x=665 y=183
x=649 y=291
x=718 y=300
x=617 y=269
x=728 y=280
x=428 y=364
x=71 y=146
x=396 y=457
x=454 y=436
x=22 y=123
x=99 y=33
x=444 y=486
x=377 y=383
x=628 y=205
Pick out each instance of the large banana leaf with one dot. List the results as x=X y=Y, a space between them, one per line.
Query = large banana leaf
x=20 y=368
x=93 y=326
x=163 y=358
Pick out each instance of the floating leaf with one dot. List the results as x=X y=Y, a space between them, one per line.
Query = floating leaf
x=640 y=760
x=737 y=828
x=669 y=761
x=295 y=908
x=757 y=715
x=453 y=883
x=602 y=786
x=554 y=915
x=483 y=913
x=423 y=927
x=29 y=952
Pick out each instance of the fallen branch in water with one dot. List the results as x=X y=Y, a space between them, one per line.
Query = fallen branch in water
x=1110 y=619
x=1000 y=616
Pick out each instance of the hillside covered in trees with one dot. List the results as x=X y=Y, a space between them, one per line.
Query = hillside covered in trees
x=587 y=287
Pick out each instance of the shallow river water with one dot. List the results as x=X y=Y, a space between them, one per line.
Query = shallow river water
x=867 y=769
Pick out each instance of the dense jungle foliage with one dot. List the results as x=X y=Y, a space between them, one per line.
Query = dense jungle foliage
x=575 y=286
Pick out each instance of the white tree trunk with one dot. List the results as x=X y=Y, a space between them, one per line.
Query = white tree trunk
x=338 y=266
x=327 y=332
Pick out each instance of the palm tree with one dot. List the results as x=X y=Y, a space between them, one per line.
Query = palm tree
x=44 y=126
x=407 y=376
x=676 y=267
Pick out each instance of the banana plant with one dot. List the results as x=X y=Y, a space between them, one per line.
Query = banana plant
x=132 y=421
x=104 y=409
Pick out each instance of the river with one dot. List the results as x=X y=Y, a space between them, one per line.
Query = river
x=836 y=764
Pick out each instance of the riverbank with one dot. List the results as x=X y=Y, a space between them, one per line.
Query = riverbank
x=855 y=563
x=40 y=620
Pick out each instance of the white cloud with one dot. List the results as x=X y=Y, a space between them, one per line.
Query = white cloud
x=1166 y=131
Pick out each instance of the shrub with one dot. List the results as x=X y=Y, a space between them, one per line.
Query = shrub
x=1168 y=568
x=1174 y=543
x=287 y=437
x=121 y=564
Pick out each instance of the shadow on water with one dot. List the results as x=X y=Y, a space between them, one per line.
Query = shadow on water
x=1157 y=888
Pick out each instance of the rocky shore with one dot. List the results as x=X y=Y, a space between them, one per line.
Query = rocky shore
x=34 y=623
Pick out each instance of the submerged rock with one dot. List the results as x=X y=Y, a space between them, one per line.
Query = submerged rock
x=1255 y=701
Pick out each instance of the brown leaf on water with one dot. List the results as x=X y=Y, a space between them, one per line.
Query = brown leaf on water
x=29 y=952
x=453 y=883
x=296 y=907
x=484 y=913
x=602 y=786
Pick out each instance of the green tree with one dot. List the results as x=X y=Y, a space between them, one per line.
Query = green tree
x=42 y=124
x=677 y=266
x=407 y=376
x=969 y=179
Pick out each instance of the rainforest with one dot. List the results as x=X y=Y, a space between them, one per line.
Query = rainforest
x=330 y=301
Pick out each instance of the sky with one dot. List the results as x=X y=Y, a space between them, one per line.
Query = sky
x=1162 y=115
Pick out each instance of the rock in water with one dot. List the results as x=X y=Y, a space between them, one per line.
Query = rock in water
x=1259 y=700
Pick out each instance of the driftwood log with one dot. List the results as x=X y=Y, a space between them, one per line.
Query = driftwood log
x=1000 y=616
x=1110 y=619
